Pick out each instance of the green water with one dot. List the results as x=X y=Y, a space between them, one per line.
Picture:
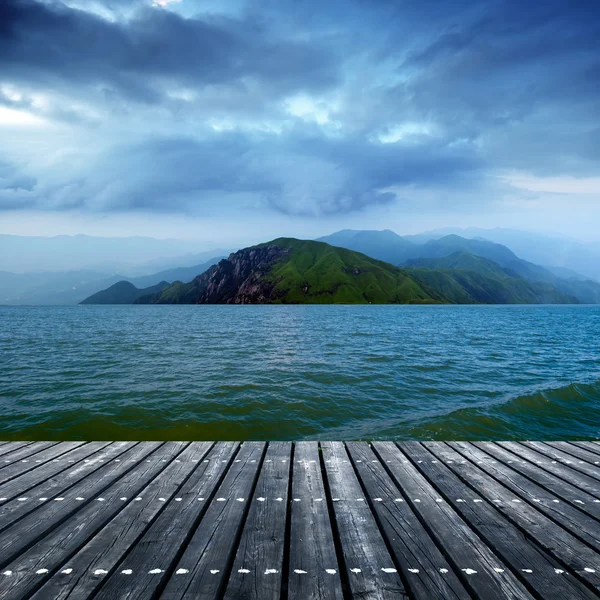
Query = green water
x=300 y=372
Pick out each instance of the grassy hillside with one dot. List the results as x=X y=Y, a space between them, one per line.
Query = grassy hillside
x=124 y=292
x=465 y=278
x=290 y=271
x=316 y=272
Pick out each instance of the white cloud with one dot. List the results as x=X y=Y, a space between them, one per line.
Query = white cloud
x=554 y=185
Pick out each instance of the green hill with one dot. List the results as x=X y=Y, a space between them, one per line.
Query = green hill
x=388 y=246
x=465 y=278
x=294 y=271
x=124 y=292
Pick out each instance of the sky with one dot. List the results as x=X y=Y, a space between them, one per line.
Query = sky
x=237 y=121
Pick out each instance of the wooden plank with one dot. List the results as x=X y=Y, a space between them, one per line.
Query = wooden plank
x=20 y=485
x=87 y=568
x=589 y=446
x=557 y=488
x=481 y=570
x=579 y=454
x=24 y=533
x=161 y=545
x=363 y=547
x=37 y=464
x=552 y=465
x=567 y=515
x=262 y=543
x=22 y=460
x=590 y=470
x=314 y=572
x=425 y=570
x=8 y=447
x=56 y=486
x=66 y=539
x=213 y=545
x=530 y=563
x=556 y=543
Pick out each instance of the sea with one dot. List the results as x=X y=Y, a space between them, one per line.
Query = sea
x=299 y=372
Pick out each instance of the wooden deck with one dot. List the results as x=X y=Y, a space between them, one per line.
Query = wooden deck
x=299 y=521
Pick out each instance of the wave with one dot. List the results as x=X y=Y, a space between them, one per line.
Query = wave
x=569 y=412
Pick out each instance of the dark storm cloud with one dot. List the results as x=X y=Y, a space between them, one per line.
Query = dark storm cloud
x=295 y=176
x=51 y=42
x=461 y=90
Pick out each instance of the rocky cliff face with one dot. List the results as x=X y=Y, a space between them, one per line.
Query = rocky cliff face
x=239 y=279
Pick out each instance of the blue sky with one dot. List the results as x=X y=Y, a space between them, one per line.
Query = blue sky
x=233 y=121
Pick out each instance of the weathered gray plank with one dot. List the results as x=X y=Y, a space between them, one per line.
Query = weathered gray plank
x=81 y=575
x=20 y=484
x=554 y=466
x=579 y=454
x=590 y=470
x=261 y=546
x=364 y=550
x=66 y=539
x=426 y=571
x=23 y=460
x=560 y=549
x=24 y=533
x=484 y=573
x=146 y=568
x=213 y=545
x=24 y=502
x=530 y=563
x=573 y=519
x=589 y=446
x=314 y=573
x=8 y=447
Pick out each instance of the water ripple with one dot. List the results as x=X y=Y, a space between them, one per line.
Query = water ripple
x=299 y=372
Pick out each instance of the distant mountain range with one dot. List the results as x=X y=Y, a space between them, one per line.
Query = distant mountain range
x=466 y=278
x=72 y=287
x=553 y=251
x=290 y=271
x=153 y=261
x=286 y=270
x=394 y=248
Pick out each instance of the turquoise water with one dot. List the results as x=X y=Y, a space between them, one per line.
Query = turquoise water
x=300 y=372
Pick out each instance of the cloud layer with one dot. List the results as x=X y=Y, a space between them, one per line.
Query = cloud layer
x=300 y=109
